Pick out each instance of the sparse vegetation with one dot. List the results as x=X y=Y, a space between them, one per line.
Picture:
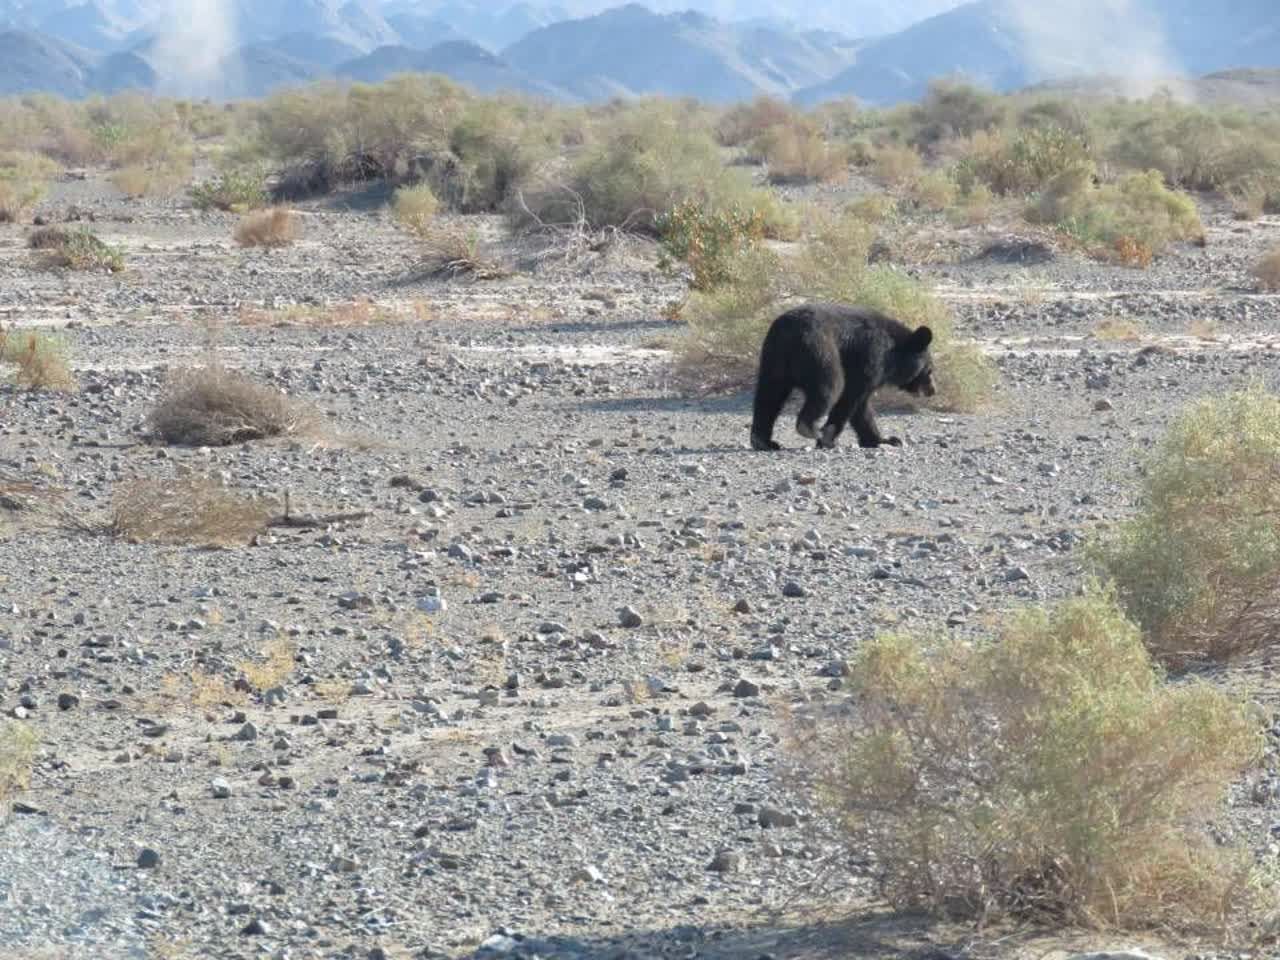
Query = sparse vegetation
x=650 y=161
x=78 y=250
x=1197 y=566
x=1267 y=271
x=1119 y=329
x=415 y=207
x=237 y=191
x=39 y=359
x=356 y=313
x=188 y=509
x=1130 y=222
x=454 y=250
x=707 y=240
x=1046 y=774
x=24 y=178
x=17 y=752
x=212 y=406
x=273 y=228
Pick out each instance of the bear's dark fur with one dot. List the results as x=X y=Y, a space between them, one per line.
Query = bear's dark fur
x=838 y=356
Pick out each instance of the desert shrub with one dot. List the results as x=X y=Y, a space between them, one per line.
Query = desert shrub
x=189 y=509
x=212 y=407
x=974 y=206
x=648 y=161
x=455 y=250
x=237 y=190
x=743 y=123
x=707 y=239
x=17 y=752
x=415 y=207
x=895 y=164
x=1053 y=114
x=1130 y=221
x=1045 y=774
x=47 y=238
x=1023 y=163
x=727 y=323
x=1194 y=147
x=151 y=179
x=24 y=178
x=952 y=109
x=81 y=250
x=934 y=190
x=276 y=227
x=1198 y=565
x=873 y=208
x=40 y=359
x=797 y=152
x=1267 y=271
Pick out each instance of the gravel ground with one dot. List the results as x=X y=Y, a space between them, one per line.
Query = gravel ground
x=533 y=702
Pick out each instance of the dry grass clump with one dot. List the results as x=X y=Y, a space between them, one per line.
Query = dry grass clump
x=894 y=164
x=152 y=179
x=797 y=152
x=40 y=359
x=273 y=228
x=453 y=250
x=213 y=407
x=1267 y=271
x=17 y=753
x=187 y=510
x=1119 y=329
x=24 y=178
x=743 y=123
x=1046 y=774
x=415 y=207
x=47 y=238
x=356 y=313
x=1198 y=566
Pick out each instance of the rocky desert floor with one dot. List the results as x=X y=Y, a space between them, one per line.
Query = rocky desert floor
x=533 y=699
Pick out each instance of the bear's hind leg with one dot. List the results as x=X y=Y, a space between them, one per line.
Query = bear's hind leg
x=818 y=398
x=771 y=397
x=838 y=417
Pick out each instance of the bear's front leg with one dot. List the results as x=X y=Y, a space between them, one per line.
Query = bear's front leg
x=868 y=431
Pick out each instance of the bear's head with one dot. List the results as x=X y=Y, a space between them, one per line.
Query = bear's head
x=913 y=365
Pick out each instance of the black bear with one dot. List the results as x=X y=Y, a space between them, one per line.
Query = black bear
x=839 y=356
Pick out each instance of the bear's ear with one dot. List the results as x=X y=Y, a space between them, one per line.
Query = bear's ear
x=919 y=340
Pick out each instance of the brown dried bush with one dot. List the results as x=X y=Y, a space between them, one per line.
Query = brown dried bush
x=212 y=406
x=1267 y=271
x=276 y=227
x=189 y=509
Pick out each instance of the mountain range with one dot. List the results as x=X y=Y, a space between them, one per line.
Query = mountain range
x=573 y=50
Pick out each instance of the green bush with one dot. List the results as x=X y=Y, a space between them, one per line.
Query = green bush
x=649 y=160
x=1046 y=774
x=1024 y=163
x=1198 y=566
x=707 y=240
x=415 y=207
x=82 y=250
x=237 y=190
x=1131 y=221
